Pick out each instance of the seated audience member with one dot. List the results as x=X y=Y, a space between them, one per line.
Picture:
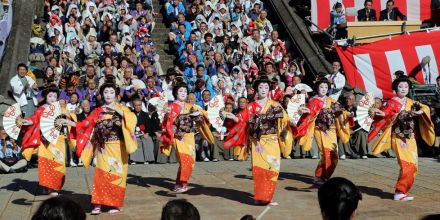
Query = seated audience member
x=59 y=208
x=391 y=13
x=367 y=13
x=338 y=199
x=180 y=209
x=10 y=155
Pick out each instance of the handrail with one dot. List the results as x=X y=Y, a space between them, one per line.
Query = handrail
x=300 y=35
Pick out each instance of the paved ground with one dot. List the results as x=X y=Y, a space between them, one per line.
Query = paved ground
x=223 y=190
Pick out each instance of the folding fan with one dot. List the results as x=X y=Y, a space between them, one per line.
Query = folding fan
x=161 y=104
x=10 y=120
x=214 y=106
x=364 y=114
x=292 y=107
x=137 y=83
x=302 y=86
x=49 y=129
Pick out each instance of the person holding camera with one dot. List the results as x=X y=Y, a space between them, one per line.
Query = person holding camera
x=10 y=155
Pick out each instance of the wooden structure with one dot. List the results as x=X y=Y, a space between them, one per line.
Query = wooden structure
x=371 y=28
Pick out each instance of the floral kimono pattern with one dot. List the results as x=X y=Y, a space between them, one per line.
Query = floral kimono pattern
x=178 y=132
x=266 y=127
x=398 y=126
x=325 y=127
x=112 y=136
x=51 y=158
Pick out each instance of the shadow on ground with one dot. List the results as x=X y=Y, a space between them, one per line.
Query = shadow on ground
x=195 y=189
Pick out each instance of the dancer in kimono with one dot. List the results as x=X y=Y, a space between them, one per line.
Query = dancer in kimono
x=398 y=121
x=110 y=129
x=179 y=126
x=325 y=122
x=266 y=124
x=51 y=158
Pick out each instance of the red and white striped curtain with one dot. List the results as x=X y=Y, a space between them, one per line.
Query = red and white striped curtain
x=415 y=10
x=371 y=66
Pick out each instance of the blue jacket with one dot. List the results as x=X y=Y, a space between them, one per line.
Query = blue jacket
x=171 y=10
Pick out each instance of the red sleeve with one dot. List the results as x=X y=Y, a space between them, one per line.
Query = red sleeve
x=32 y=133
x=167 y=124
x=391 y=108
x=83 y=130
x=315 y=105
x=237 y=135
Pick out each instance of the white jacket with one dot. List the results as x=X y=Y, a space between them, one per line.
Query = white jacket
x=18 y=90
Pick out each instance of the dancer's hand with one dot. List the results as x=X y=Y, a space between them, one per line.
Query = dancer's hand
x=379 y=113
x=419 y=112
x=114 y=109
x=303 y=110
x=25 y=122
x=292 y=122
x=196 y=113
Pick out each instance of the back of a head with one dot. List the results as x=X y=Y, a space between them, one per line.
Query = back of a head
x=338 y=199
x=180 y=209
x=59 y=208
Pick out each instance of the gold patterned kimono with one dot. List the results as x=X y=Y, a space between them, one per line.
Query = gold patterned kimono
x=113 y=138
x=182 y=140
x=51 y=158
x=266 y=127
x=327 y=140
x=405 y=148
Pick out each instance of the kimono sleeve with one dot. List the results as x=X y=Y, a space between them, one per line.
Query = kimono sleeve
x=285 y=136
x=237 y=135
x=203 y=126
x=426 y=126
x=343 y=127
x=83 y=133
x=128 y=129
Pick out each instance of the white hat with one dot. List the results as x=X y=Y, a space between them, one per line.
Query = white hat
x=55 y=7
x=127 y=17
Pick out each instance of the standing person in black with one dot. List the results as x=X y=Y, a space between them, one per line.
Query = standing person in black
x=367 y=13
x=391 y=13
x=154 y=132
x=145 y=152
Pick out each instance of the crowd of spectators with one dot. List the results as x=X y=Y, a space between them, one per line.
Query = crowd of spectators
x=221 y=47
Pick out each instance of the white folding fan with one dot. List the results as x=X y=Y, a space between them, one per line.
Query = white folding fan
x=292 y=107
x=214 y=106
x=302 y=86
x=49 y=129
x=363 y=113
x=161 y=104
x=137 y=83
x=10 y=120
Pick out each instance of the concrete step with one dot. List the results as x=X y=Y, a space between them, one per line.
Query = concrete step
x=17 y=48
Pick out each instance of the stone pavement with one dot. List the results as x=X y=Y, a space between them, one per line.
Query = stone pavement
x=223 y=190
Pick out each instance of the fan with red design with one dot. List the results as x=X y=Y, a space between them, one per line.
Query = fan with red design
x=49 y=128
x=161 y=103
x=10 y=118
x=293 y=106
x=214 y=107
x=365 y=111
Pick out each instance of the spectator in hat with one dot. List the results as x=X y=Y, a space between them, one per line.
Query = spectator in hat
x=237 y=13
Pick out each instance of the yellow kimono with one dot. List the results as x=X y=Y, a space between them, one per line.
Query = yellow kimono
x=184 y=143
x=326 y=140
x=51 y=158
x=266 y=137
x=113 y=138
x=405 y=148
